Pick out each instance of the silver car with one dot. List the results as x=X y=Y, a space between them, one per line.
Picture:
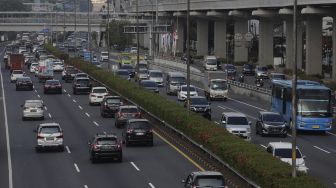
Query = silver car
x=33 y=109
x=156 y=76
x=237 y=124
x=49 y=135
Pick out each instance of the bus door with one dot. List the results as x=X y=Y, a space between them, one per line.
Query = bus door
x=284 y=101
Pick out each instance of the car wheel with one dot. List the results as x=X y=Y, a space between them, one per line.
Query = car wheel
x=127 y=144
x=74 y=92
x=42 y=118
x=151 y=143
x=93 y=159
x=102 y=115
x=37 y=149
x=284 y=135
x=23 y=119
x=16 y=89
x=257 y=130
x=61 y=149
x=120 y=158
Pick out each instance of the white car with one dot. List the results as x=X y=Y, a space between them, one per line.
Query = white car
x=134 y=50
x=33 y=109
x=33 y=67
x=58 y=66
x=283 y=151
x=210 y=63
x=97 y=95
x=182 y=93
x=236 y=123
x=104 y=56
x=156 y=76
x=49 y=135
x=15 y=74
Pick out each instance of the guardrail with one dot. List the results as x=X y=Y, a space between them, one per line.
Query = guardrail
x=210 y=154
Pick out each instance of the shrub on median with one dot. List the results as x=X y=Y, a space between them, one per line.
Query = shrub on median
x=249 y=159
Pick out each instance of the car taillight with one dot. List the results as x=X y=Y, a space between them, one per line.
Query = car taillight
x=60 y=136
x=150 y=130
x=39 y=136
x=119 y=146
x=129 y=130
x=92 y=95
x=138 y=114
x=25 y=108
x=120 y=114
x=95 y=147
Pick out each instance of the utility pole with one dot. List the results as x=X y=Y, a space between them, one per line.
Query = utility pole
x=64 y=21
x=108 y=35
x=188 y=54
x=89 y=30
x=137 y=35
x=75 y=6
x=156 y=45
x=294 y=96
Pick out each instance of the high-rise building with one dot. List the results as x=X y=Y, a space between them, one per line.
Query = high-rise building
x=97 y=5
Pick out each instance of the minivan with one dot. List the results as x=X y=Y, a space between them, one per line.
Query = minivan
x=174 y=80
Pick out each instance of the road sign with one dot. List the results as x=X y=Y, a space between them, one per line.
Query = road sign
x=87 y=56
x=248 y=36
x=238 y=36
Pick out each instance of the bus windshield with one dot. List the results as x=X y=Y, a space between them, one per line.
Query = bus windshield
x=314 y=107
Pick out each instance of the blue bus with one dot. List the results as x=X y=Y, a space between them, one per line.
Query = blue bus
x=314 y=104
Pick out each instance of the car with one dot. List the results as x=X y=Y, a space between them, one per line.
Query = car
x=210 y=63
x=97 y=95
x=270 y=123
x=49 y=135
x=81 y=75
x=124 y=113
x=199 y=104
x=174 y=80
x=156 y=76
x=134 y=50
x=15 y=74
x=69 y=73
x=104 y=56
x=105 y=146
x=261 y=72
x=150 y=85
x=182 y=93
x=125 y=60
x=33 y=67
x=123 y=73
x=142 y=64
x=283 y=151
x=248 y=70
x=58 y=66
x=130 y=69
x=138 y=131
x=81 y=85
x=52 y=86
x=142 y=74
x=33 y=109
x=236 y=123
x=24 y=83
x=230 y=71
x=110 y=105
x=205 y=179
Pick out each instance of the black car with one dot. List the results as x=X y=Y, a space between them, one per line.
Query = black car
x=150 y=85
x=52 y=86
x=271 y=123
x=200 y=104
x=123 y=73
x=248 y=69
x=24 y=83
x=110 y=105
x=81 y=85
x=130 y=69
x=138 y=131
x=69 y=74
x=103 y=146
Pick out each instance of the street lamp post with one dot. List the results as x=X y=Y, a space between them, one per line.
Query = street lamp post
x=294 y=99
x=89 y=30
x=137 y=35
x=188 y=54
x=64 y=21
x=75 y=6
x=108 y=34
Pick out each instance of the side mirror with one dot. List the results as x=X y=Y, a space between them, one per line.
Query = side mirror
x=21 y=105
x=209 y=103
x=183 y=181
x=89 y=143
x=223 y=122
x=304 y=157
x=121 y=103
x=35 y=131
x=250 y=123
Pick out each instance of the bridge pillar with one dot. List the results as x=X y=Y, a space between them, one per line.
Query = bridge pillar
x=202 y=37
x=240 y=51
x=266 y=42
x=146 y=40
x=289 y=45
x=141 y=40
x=313 y=45
x=220 y=38
x=334 y=49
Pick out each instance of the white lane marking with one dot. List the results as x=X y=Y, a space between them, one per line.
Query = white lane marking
x=263 y=146
x=76 y=167
x=95 y=123
x=151 y=185
x=9 y=158
x=38 y=96
x=104 y=132
x=80 y=107
x=74 y=100
x=216 y=122
x=45 y=108
x=331 y=133
x=87 y=114
x=236 y=111
x=248 y=104
x=49 y=115
x=35 y=91
x=68 y=149
x=136 y=168
x=33 y=87
x=64 y=90
x=69 y=95
x=85 y=186
x=328 y=152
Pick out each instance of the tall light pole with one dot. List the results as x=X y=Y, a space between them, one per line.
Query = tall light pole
x=64 y=21
x=137 y=35
x=89 y=30
x=108 y=35
x=188 y=54
x=75 y=6
x=294 y=97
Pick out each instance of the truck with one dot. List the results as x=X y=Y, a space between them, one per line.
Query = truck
x=15 y=62
x=45 y=70
x=215 y=85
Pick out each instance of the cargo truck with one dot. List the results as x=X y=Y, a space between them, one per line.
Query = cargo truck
x=15 y=62
x=215 y=85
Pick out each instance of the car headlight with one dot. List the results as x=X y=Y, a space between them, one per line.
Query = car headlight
x=248 y=130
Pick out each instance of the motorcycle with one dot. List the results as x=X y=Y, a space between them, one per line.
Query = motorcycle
x=241 y=78
x=259 y=83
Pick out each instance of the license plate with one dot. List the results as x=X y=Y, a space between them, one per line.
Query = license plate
x=51 y=138
x=315 y=126
x=139 y=134
x=100 y=97
x=33 y=110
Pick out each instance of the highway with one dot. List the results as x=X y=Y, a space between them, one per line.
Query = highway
x=158 y=166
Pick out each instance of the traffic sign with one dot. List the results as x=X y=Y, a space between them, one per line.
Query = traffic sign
x=248 y=36
x=238 y=36
x=87 y=56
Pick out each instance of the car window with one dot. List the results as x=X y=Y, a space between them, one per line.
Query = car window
x=122 y=73
x=190 y=88
x=237 y=121
x=113 y=101
x=273 y=118
x=52 y=82
x=148 y=84
x=156 y=74
x=140 y=125
x=106 y=141
x=210 y=181
x=129 y=110
x=286 y=153
x=33 y=104
x=103 y=90
x=50 y=130
x=17 y=72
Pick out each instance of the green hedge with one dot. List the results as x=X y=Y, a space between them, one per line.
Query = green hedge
x=249 y=159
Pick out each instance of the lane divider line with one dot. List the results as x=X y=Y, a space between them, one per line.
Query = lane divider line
x=136 y=168
x=69 y=95
x=180 y=152
x=236 y=111
x=328 y=152
x=49 y=115
x=331 y=133
x=80 y=107
x=216 y=122
x=151 y=185
x=263 y=146
x=74 y=100
x=85 y=186
x=87 y=114
x=95 y=123
x=64 y=90
x=45 y=108
x=76 y=167
x=68 y=149
x=35 y=91
x=38 y=96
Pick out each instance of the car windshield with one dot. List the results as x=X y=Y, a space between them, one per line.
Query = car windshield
x=191 y=88
x=218 y=85
x=113 y=101
x=50 y=130
x=247 y=66
x=199 y=101
x=156 y=74
x=125 y=58
x=143 y=71
x=273 y=118
x=286 y=153
x=52 y=82
x=142 y=66
x=102 y=90
x=129 y=110
x=140 y=125
x=81 y=75
x=106 y=141
x=122 y=73
x=262 y=69
x=230 y=67
x=33 y=104
x=104 y=54
x=72 y=71
x=148 y=84
x=126 y=67
x=210 y=181
x=211 y=62
x=17 y=72
x=178 y=80
x=237 y=121
x=83 y=81
x=23 y=79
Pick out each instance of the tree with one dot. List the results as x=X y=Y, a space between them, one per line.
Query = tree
x=12 y=5
x=117 y=36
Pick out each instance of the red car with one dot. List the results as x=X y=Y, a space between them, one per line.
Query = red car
x=52 y=86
